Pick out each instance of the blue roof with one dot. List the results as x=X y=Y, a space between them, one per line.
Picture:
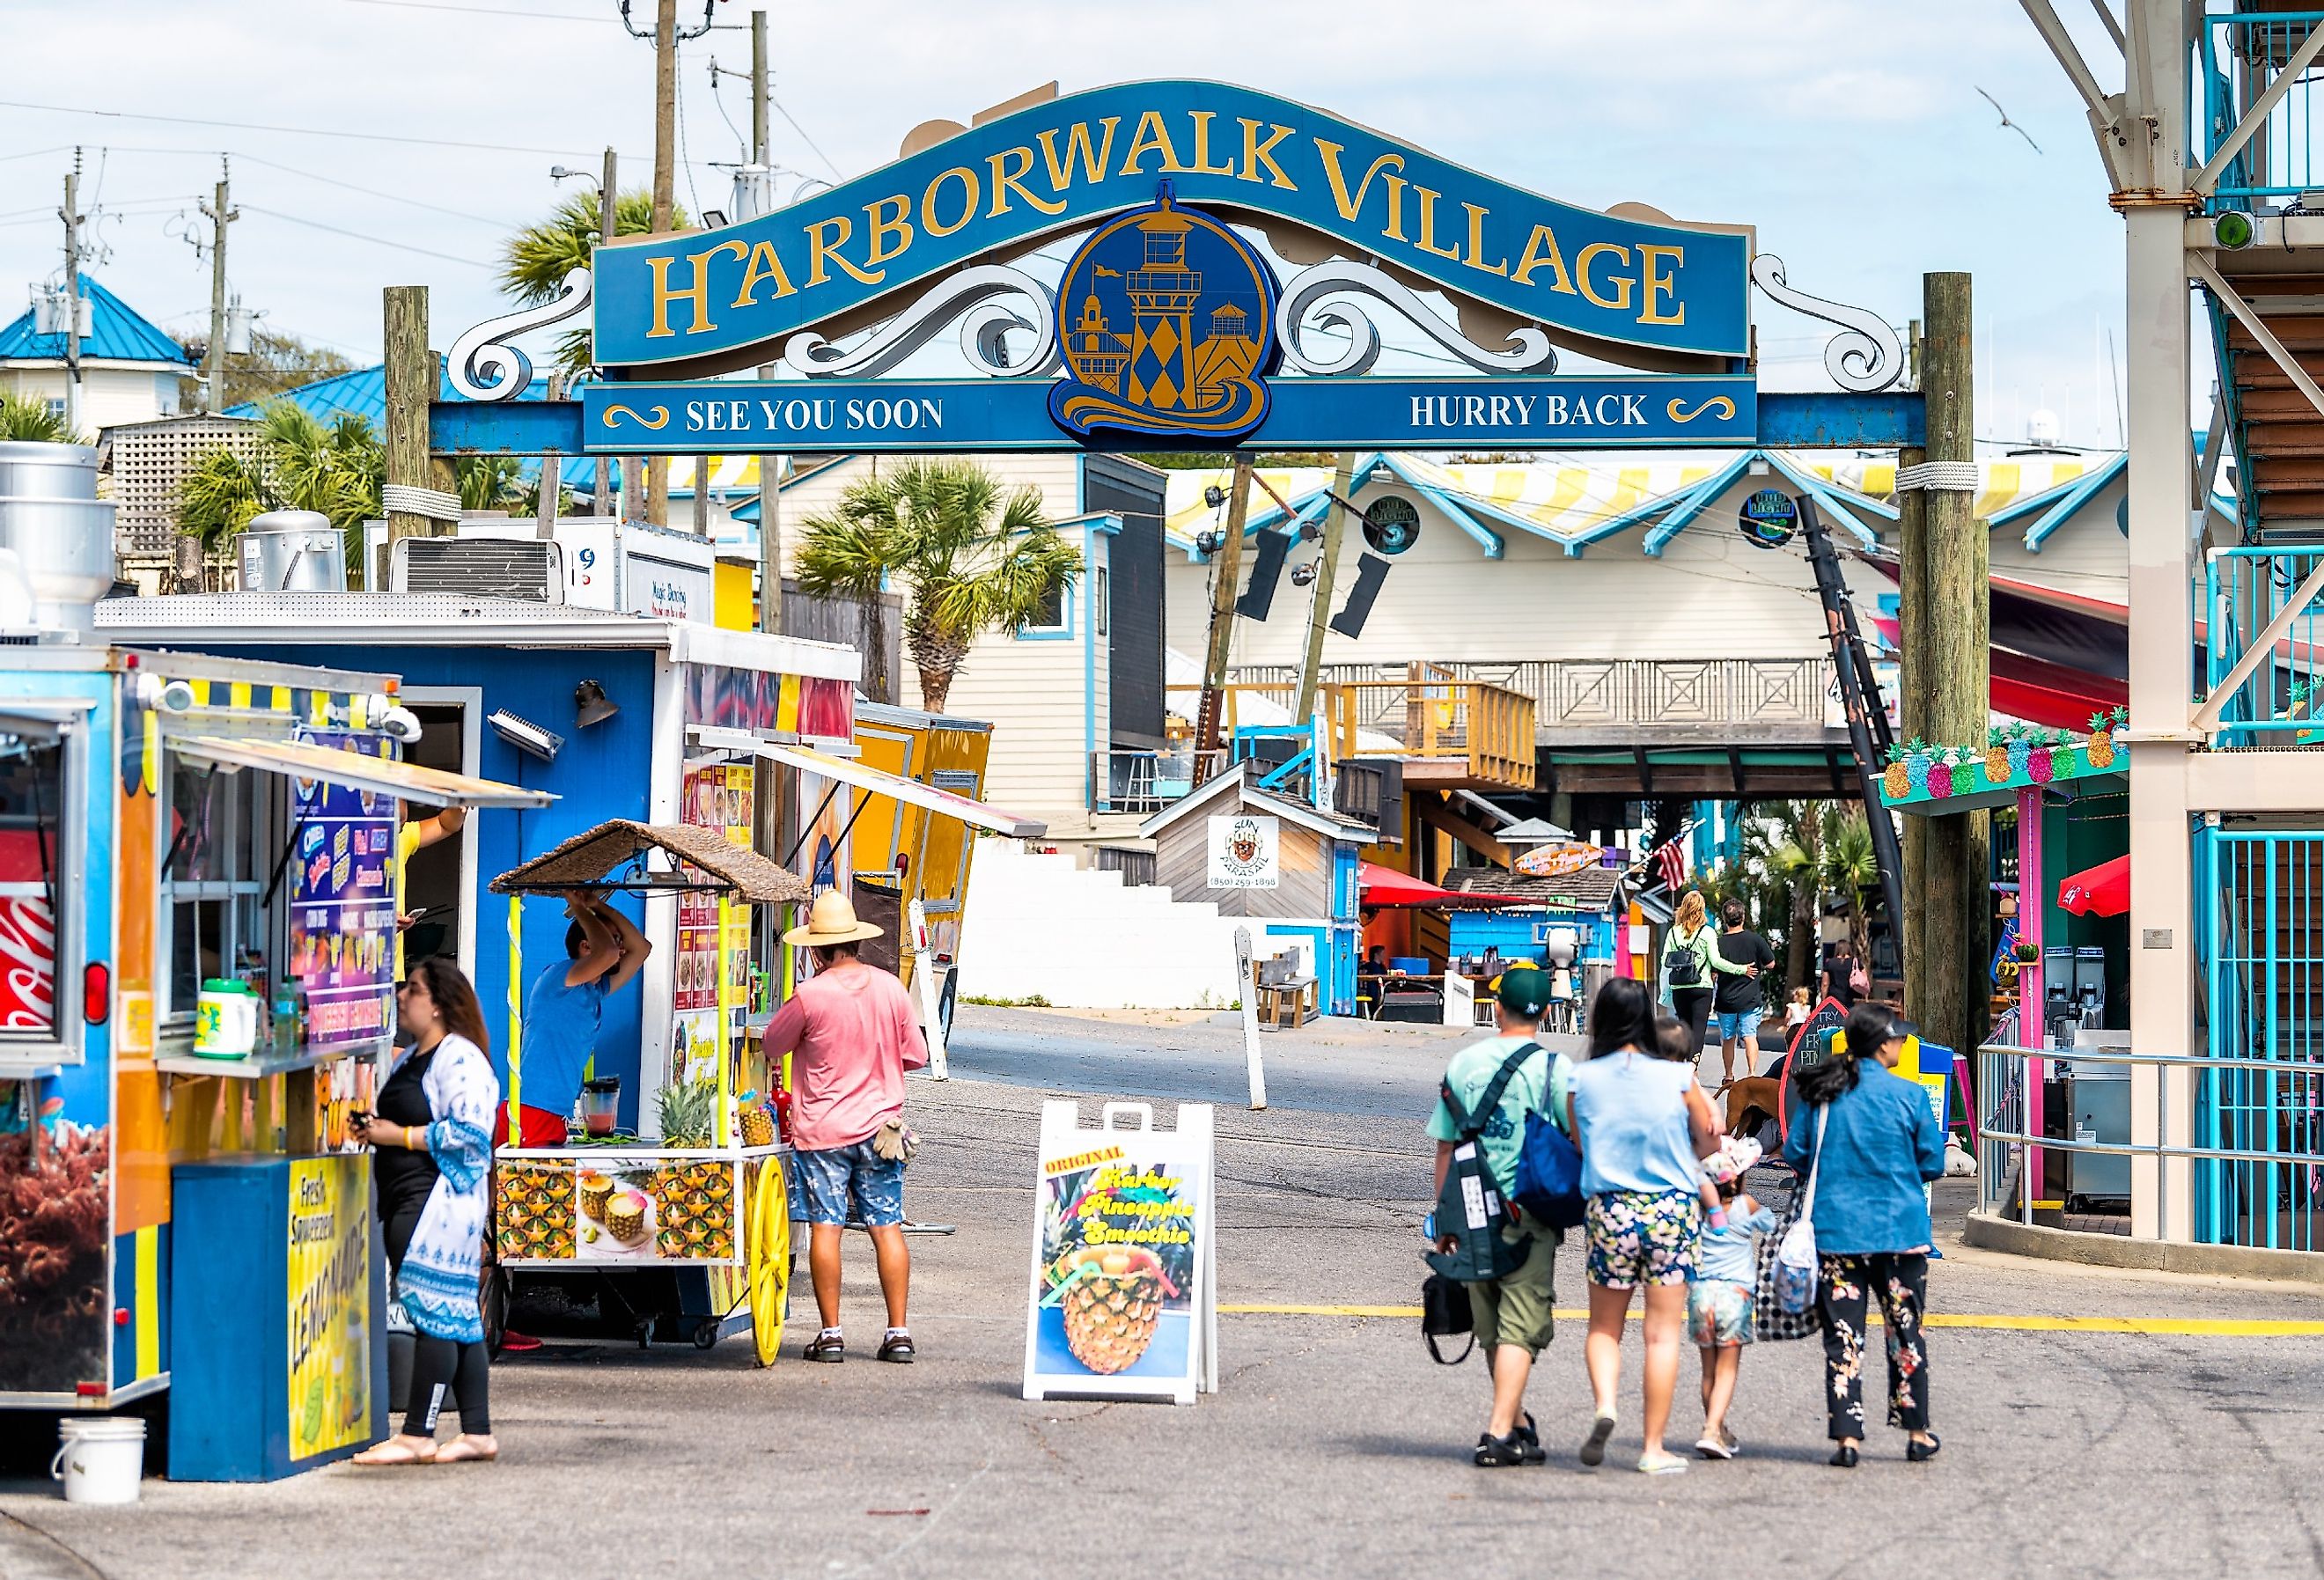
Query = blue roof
x=116 y=333
x=363 y=393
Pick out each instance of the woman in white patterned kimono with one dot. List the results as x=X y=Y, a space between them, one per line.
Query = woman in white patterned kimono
x=432 y=1132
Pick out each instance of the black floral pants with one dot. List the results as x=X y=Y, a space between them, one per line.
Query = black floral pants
x=1899 y=1281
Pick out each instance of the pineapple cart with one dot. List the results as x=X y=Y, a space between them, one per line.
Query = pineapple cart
x=686 y=1232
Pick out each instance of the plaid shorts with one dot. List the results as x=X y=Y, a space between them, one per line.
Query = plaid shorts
x=834 y=1178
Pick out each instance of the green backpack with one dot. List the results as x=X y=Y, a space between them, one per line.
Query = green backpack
x=1469 y=1207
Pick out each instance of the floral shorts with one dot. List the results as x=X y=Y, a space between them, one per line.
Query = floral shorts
x=1642 y=1237
x=1719 y=1314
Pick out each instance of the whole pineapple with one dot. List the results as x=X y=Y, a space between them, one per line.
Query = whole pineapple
x=1996 y=758
x=689 y=1114
x=1112 y=1308
x=2102 y=742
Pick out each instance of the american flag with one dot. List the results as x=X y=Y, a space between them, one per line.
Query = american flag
x=1671 y=861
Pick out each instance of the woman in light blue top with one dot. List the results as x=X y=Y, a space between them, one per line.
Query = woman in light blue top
x=1641 y=1122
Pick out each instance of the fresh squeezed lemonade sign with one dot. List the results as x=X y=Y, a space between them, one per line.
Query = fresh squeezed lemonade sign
x=330 y=1305
x=1121 y=1297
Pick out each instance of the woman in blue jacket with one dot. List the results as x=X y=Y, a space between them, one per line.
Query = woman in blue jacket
x=1873 y=1142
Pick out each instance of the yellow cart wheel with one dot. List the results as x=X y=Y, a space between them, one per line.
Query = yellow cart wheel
x=769 y=1259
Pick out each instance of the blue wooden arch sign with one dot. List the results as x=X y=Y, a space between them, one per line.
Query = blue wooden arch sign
x=1170 y=327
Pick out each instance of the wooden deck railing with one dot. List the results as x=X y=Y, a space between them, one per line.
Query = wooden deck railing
x=1431 y=717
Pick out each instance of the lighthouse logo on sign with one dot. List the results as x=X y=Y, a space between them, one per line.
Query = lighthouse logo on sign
x=1245 y=852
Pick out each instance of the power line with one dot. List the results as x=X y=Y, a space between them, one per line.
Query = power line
x=9 y=104
x=479 y=10
x=810 y=141
x=498 y=223
x=358 y=236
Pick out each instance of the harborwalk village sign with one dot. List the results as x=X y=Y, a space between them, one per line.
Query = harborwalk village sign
x=1170 y=326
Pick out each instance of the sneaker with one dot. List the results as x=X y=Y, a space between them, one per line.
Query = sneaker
x=1593 y=1448
x=1495 y=1452
x=1713 y=1449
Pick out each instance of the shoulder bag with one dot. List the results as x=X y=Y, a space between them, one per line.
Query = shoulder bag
x=1795 y=1258
x=1548 y=1184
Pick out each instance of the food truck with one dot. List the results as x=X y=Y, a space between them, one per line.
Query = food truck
x=197 y=924
x=658 y=721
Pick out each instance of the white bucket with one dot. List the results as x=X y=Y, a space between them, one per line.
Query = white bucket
x=100 y=1459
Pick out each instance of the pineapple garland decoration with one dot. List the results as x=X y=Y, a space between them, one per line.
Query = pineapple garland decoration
x=1916 y=765
x=1940 y=776
x=2020 y=746
x=2100 y=745
x=1997 y=757
x=2038 y=764
x=1894 y=780
x=2064 y=761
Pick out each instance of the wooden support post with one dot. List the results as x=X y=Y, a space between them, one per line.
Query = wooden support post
x=1952 y=666
x=410 y=386
x=1319 y=606
x=1226 y=572
x=1912 y=696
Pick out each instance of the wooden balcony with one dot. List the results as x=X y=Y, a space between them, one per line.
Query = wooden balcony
x=1448 y=731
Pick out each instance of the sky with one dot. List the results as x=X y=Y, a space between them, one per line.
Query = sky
x=1850 y=133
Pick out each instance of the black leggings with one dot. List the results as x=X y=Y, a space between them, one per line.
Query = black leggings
x=1693 y=1005
x=436 y=1365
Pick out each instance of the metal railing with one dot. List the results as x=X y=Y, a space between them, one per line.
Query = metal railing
x=2240 y=54
x=2280 y=703
x=1127 y=781
x=2260 y=921
x=2277 y=1188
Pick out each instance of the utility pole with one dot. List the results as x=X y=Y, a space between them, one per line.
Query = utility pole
x=1319 y=606
x=221 y=214
x=1952 y=670
x=665 y=178
x=770 y=467
x=71 y=215
x=410 y=377
x=1226 y=571
x=608 y=197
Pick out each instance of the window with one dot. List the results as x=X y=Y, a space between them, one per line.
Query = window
x=40 y=930
x=221 y=850
x=1101 y=603
x=1054 y=619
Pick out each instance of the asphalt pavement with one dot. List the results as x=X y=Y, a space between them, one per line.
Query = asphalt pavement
x=1333 y=1445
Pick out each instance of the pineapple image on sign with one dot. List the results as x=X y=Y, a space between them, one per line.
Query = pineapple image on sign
x=1117 y=1269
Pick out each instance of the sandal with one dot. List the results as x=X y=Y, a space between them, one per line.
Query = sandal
x=1593 y=1448
x=1527 y=1438
x=828 y=1346
x=465 y=1449
x=896 y=1346
x=1495 y=1452
x=1662 y=1464
x=396 y=1451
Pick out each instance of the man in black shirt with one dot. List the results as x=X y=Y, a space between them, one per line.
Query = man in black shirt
x=1739 y=1000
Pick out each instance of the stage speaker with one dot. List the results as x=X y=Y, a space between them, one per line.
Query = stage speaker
x=1370 y=571
x=1265 y=570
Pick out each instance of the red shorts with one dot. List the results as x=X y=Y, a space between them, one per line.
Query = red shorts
x=536 y=1127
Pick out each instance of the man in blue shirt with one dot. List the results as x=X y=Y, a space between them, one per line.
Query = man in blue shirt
x=605 y=952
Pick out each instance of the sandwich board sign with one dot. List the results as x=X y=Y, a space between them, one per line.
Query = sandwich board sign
x=1124 y=1296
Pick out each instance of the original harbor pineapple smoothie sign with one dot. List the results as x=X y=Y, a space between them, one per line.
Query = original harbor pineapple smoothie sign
x=1124 y=1302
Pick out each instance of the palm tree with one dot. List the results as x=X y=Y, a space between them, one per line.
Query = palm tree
x=492 y=483
x=975 y=560
x=539 y=256
x=1851 y=868
x=29 y=418
x=300 y=463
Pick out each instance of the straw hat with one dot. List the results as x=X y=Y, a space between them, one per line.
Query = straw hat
x=831 y=920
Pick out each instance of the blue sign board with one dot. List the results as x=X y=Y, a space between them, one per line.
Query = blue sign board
x=1001 y=415
x=714 y=300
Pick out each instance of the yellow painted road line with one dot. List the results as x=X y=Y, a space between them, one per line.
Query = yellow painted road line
x=2162 y=1326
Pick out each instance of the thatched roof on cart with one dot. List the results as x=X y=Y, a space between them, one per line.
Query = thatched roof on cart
x=610 y=848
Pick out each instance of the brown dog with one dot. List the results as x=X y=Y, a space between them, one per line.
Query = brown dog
x=1751 y=1102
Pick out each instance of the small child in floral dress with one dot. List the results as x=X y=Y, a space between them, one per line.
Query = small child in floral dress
x=1719 y=1303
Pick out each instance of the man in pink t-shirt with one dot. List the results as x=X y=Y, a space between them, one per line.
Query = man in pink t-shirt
x=851 y=1035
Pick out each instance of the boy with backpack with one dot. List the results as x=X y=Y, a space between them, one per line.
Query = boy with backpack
x=1489 y=1090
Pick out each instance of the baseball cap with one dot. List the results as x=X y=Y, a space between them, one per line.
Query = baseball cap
x=1523 y=989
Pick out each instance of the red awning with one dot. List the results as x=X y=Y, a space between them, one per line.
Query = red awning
x=2101 y=890
x=1384 y=887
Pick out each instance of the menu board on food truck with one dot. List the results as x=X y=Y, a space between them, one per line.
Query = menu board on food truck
x=1124 y=1302
x=343 y=903
x=715 y=795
